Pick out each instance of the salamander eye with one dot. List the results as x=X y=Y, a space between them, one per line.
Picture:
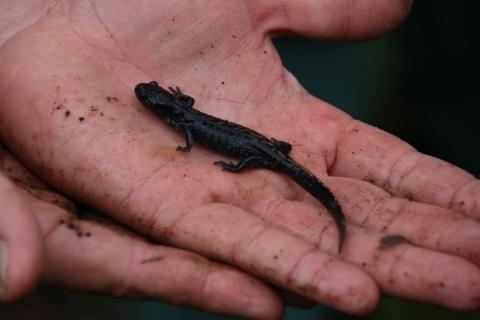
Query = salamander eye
x=153 y=84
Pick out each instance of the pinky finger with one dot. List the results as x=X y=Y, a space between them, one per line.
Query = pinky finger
x=91 y=257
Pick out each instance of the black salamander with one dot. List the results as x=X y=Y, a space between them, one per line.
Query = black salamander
x=253 y=149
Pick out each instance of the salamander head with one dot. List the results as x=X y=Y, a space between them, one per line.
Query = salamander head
x=151 y=95
x=166 y=105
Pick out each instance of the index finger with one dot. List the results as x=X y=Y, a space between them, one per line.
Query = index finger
x=372 y=155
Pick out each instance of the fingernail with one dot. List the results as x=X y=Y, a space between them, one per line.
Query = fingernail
x=3 y=264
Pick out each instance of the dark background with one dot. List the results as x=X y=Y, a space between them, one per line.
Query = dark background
x=420 y=83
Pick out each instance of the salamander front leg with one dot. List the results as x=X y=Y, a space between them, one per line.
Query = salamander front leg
x=182 y=97
x=189 y=141
x=248 y=162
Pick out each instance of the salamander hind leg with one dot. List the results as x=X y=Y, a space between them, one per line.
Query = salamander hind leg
x=248 y=162
x=282 y=145
x=227 y=166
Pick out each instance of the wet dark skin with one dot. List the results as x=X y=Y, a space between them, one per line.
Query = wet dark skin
x=253 y=149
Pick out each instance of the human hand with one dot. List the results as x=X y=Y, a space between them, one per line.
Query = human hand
x=65 y=245
x=70 y=114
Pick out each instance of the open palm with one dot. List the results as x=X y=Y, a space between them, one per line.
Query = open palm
x=70 y=114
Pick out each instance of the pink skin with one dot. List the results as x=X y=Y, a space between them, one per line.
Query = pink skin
x=47 y=240
x=69 y=113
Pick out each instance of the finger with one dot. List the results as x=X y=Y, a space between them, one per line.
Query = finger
x=416 y=274
x=422 y=224
x=229 y=234
x=334 y=20
x=20 y=243
x=375 y=156
x=399 y=268
x=107 y=259
x=86 y=256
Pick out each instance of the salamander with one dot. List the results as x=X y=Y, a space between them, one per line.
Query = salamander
x=253 y=149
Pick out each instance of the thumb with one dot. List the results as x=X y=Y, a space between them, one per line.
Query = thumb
x=20 y=243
